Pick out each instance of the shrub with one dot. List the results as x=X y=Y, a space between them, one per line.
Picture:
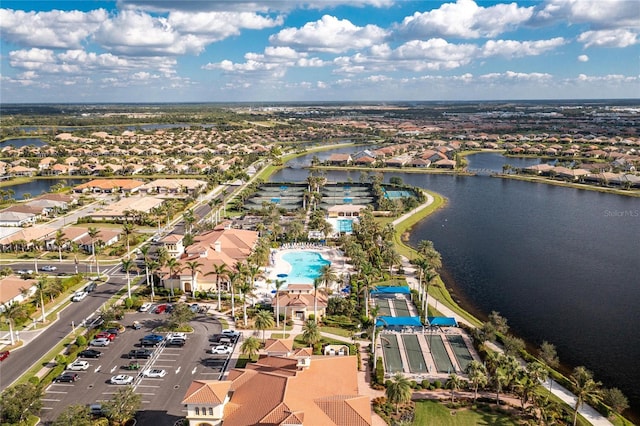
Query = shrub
x=81 y=341
x=34 y=380
x=379 y=371
x=128 y=303
x=61 y=360
x=426 y=384
x=437 y=384
x=413 y=383
x=311 y=317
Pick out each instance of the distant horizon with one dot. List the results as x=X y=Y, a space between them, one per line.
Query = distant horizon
x=155 y=51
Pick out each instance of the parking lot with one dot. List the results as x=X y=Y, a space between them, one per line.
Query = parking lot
x=161 y=396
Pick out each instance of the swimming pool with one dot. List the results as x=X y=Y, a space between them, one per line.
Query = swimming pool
x=305 y=266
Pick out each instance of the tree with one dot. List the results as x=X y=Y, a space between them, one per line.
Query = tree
x=127 y=231
x=615 y=399
x=123 y=405
x=174 y=267
x=59 y=242
x=219 y=271
x=478 y=376
x=454 y=382
x=180 y=315
x=311 y=332
x=512 y=345
x=398 y=391
x=76 y=415
x=234 y=278
x=278 y=283
x=585 y=388
x=499 y=322
x=93 y=234
x=250 y=346
x=263 y=320
x=19 y=402
x=316 y=284
x=41 y=288
x=548 y=354
x=327 y=276
x=12 y=312
x=127 y=265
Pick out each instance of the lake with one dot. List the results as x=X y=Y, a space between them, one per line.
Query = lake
x=561 y=264
x=39 y=186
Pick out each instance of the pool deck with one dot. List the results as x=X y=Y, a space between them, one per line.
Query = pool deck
x=281 y=266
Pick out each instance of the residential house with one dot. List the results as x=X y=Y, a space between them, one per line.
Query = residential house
x=14 y=218
x=110 y=185
x=339 y=159
x=14 y=289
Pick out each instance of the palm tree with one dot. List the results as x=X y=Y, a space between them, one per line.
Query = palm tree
x=454 y=383
x=59 y=242
x=399 y=390
x=152 y=267
x=75 y=249
x=219 y=271
x=41 y=288
x=93 y=234
x=311 y=332
x=278 y=284
x=584 y=388
x=127 y=265
x=245 y=288
x=263 y=320
x=250 y=346
x=234 y=279
x=11 y=312
x=327 y=275
x=144 y=251
x=194 y=267
x=478 y=376
x=174 y=267
x=316 y=284
x=127 y=231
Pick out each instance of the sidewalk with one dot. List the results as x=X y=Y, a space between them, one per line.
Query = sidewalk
x=589 y=413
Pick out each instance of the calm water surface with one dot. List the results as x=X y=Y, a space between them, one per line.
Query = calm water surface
x=20 y=142
x=561 y=264
x=38 y=187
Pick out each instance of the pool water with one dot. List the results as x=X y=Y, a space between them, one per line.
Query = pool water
x=306 y=266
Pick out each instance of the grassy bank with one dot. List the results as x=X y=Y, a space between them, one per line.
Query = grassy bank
x=576 y=185
x=438 y=290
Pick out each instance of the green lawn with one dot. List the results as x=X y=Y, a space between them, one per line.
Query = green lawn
x=433 y=413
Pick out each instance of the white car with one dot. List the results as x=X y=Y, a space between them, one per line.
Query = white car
x=182 y=336
x=221 y=349
x=78 y=365
x=121 y=379
x=102 y=341
x=154 y=372
x=145 y=307
x=231 y=333
x=48 y=268
x=79 y=295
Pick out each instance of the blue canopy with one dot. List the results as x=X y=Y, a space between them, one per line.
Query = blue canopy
x=391 y=290
x=443 y=321
x=398 y=322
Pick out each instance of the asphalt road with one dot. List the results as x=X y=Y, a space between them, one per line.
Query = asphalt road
x=23 y=358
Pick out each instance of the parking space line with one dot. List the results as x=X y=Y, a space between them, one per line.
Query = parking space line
x=52 y=391
x=47 y=408
x=50 y=400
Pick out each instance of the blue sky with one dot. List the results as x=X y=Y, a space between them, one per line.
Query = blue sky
x=318 y=50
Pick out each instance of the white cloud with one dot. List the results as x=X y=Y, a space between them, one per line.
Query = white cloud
x=583 y=58
x=464 y=19
x=54 y=29
x=329 y=34
x=215 y=26
x=512 y=76
x=609 y=38
x=599 y=14
x=517 y=49
x=247 y=5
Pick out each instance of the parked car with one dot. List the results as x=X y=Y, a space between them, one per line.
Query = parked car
x=160 y=309
x=106 y=335
x=102 y=341
x=91 y=287
x=221 y=349
x=194 y=307
x=48 y=268
x=78 y=365
x=121 y=379
x=136 y=325
x=231 y=333
x=176 y=342
x=4 y=355
x=145 y=307
x=96 y=409
x=79 y=295
x=154 y=373
x=139 y=354
x=155 y=337
x=178 y=335
x=90 y=353
x=67 y=377
x=115 y=330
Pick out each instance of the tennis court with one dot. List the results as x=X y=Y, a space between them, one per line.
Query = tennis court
x=383 y=307
x=401 y=308
x=460 y=350
x=391 y=351
x=439 y=353
x=414 y=354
